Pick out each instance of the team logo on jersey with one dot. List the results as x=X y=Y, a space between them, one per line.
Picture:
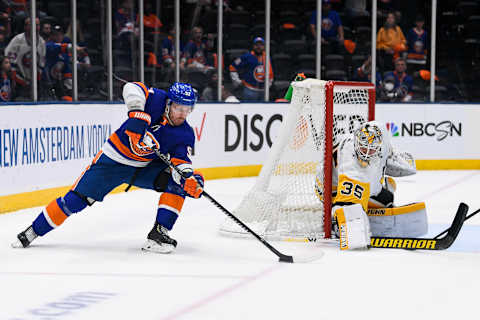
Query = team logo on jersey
x=5 y=90
x=327 y=24
x=142 y=150
x=259 y=73
x=393 y=129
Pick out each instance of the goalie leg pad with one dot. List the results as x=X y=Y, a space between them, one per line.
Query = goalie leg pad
x=353 y=227
x=405 y=221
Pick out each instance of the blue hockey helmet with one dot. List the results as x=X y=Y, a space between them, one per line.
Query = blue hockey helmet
x=182 y=93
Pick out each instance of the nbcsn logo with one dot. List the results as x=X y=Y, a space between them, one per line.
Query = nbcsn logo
x=393 y=129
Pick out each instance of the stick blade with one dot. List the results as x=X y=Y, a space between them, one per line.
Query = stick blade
x=303 y=257
x=457 y=224
x=285 y=258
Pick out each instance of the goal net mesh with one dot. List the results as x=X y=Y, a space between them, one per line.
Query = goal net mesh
x=286 y=201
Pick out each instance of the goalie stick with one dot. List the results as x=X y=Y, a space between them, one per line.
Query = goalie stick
x=466 y=218
x=425 y=243
x=282 y=257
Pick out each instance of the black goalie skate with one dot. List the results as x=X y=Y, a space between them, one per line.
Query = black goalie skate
x=25 y=238
x=159 y=241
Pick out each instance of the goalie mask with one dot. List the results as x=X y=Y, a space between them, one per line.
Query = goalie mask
x=368 y=141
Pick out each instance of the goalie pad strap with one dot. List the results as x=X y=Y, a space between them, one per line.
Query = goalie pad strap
x=409 y=208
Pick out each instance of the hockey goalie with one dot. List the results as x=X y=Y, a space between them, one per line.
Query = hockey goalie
x=364 y=163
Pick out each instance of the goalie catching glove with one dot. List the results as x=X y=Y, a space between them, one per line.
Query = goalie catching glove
x=192 y=182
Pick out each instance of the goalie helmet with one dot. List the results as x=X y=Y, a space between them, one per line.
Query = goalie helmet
x=368 y=140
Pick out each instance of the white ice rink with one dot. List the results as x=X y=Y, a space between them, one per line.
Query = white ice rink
x=92 y=266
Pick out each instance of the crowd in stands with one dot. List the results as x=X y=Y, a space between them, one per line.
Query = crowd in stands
x=402 y=39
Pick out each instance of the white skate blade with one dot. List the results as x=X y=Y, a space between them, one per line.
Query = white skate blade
x=17 y=244
x=152 y=246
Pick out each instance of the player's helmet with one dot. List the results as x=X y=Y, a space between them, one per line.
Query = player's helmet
x=368 y=141
x=182 y=93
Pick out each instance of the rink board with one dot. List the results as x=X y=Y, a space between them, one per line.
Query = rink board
x=44 y=148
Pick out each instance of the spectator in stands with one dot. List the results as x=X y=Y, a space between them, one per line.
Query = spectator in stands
x=168 y=55
x=210 y=93
x=19 y=51
x=332 y=28
x=7 y=80
x=45 y=30
x=80 y=36
x=58 y=70
x=151 y=22
x=249 y=71
x=83 y=59
x=356 y=8
x=19 y=8
x=397 y=84
x=390 y=42
x=417 y=41
x=364 y=73
x=3 y=40
x=5 y=24
x=125 y=24
x=195 y=52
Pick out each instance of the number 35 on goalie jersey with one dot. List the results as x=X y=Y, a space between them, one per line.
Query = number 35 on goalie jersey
x=352 y=191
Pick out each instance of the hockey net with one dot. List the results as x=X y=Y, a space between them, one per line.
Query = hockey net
x=287 y=201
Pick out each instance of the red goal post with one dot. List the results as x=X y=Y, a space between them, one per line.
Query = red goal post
x=287 y=201
x=329 y=111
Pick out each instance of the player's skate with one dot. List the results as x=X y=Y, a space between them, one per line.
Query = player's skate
x=24 y=238
x=158 y=240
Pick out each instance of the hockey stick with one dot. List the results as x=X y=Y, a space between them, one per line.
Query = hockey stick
x=425 y=243
x=466 y=218
x=117 y=78
x=282 y=257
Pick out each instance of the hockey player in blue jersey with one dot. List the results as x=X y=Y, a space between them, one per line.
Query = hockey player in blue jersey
x=156 y=120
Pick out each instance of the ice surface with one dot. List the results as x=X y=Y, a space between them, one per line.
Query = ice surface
x=92 y=266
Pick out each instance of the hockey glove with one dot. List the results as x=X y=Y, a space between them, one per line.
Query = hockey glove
x=193 y=186
x=135 y=127
x=192 y=182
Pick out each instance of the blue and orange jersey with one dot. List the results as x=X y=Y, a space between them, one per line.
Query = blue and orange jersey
x=58 y=52
x=414 y=36
x=330 y=23
x=178 y=141
x=168 y=49
x=401 y=80
x=195 y=51
x=251 y=69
